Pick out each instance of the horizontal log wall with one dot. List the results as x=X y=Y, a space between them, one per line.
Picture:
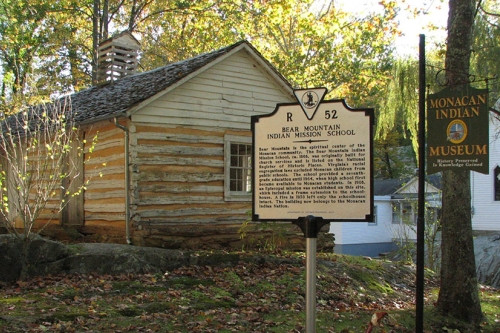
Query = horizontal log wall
x=178 y=177
x=105 y=192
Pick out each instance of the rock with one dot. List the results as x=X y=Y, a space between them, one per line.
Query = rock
x=103 y=258
x=40 y=253
x=10 y=258
x=49 y=257
x=487 y=251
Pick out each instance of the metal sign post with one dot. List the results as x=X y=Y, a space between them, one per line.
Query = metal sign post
x=310 y=226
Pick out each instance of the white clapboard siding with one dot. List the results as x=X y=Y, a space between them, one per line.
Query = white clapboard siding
x=486 y=211
x=364 y=232
x=223 y=96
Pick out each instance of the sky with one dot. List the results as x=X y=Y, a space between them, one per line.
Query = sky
x=432 y=12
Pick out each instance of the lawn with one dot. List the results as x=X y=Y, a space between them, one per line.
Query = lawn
x=265 y=296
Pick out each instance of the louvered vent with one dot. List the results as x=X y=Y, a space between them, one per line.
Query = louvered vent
x=117 y=57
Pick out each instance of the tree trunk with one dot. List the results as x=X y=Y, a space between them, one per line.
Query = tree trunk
x=387 y=160
x=105 y=20
x=95 y=40
x=458 y=296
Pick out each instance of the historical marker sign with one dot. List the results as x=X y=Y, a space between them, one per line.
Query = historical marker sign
x=313 y=158
x=457 y=130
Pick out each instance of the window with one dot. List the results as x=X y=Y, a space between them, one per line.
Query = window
x=496 y=182
x=396 y=213
x=238 y=168
x=408 y=216
x=403 y=211
x=374 y=223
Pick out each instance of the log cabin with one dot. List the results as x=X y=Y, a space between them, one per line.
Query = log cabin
x=174 y=150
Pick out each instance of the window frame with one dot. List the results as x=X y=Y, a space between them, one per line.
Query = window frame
x=235 y=195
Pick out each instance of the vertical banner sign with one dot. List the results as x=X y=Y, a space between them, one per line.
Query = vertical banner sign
x=313 y=158
x=457 y=130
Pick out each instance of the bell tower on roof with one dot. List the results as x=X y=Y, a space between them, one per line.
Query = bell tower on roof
x=117 y=57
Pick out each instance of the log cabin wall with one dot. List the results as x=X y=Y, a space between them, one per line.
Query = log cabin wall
x=104 y=197
x=177 y=155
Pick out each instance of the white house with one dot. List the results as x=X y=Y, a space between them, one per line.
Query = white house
x=395 y=213
x=485 y=189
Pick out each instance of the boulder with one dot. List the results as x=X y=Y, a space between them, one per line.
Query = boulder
x=103 y=258
x=40 y=252
x=487 y=251
x=49 y=257
x=10 y=258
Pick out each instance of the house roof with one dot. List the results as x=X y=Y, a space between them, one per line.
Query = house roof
x=387 y=186
x=393 y=186
x=114 y=99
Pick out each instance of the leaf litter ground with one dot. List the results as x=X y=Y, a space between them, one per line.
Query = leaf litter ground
x=251 y=296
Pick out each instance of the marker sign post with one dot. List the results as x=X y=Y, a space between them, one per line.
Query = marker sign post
x=312 y=164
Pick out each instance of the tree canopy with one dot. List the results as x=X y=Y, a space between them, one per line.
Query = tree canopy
x=52 y=45
x=50 y=48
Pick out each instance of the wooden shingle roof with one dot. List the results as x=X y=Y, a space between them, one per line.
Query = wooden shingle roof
x=112 y=100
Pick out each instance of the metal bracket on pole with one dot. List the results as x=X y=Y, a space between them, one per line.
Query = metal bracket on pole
x=310 y=226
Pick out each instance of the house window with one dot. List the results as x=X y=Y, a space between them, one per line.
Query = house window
x=396 y=213
x=496 y=181
x=408 y=216
x=238 y=168
x=374 y=223
x=403 y=211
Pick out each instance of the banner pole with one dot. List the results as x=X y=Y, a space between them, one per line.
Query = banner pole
x=419 y=293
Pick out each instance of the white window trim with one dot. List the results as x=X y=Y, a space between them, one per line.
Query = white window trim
x=232 y=195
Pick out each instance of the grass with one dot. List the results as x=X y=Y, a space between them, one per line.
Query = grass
x=247 y=297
